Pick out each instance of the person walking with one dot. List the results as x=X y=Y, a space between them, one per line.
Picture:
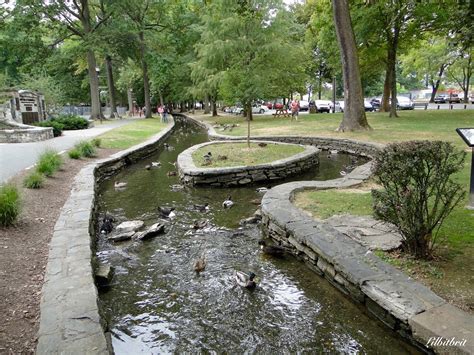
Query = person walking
x=161 y=112
x=165 y=114
x=295 y=109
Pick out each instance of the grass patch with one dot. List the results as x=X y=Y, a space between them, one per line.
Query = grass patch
x=411 y=125
x=74 y=153
x=238 y=154
x=49 y=162
x=9 y=205
x=86 y=149
x=96 y=142
x=131 y=134
x=323 y=204
x=33 y=181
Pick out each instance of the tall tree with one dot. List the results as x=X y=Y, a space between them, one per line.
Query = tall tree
x=354 y=112
x=80 y=20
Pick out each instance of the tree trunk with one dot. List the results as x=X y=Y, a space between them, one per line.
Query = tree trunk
x=435 y=85
x=468 y=80
x=146 y=80
x=130 y=102
x=385 y=104
x=206 y=105
x=354 y=111
x=111 y=86
x=248 y=109
x=213 y=107
x=393 y=63
x=96 y=112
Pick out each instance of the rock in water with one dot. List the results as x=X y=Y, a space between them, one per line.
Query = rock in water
x=129 y=226
x=151 y=232
x=121 y=237
x=104 y=275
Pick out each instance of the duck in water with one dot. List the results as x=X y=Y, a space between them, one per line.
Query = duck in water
x=245 y=280
x=120 y=185
x=167 y=212
x=273 y=250
x=228 y=203
x=200 y=264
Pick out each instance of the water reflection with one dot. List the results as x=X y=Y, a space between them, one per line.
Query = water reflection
x=158 y=304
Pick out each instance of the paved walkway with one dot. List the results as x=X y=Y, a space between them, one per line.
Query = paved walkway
x=15 y=157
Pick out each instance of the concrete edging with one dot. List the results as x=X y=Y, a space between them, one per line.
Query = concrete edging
x=243 y=175
x=70 y=322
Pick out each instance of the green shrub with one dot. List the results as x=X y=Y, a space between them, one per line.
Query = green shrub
x=74 y=153
x=9 y=205
x=57 y=127
x=96 y=142
x=33 y=181
x=86 y=148
x=71 y=122
x=418 y=190
x=49 y=162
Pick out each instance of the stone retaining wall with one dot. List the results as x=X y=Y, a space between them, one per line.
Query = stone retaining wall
x=243 y=175
x=406 y=306
x=70 y=321
x=20 y=133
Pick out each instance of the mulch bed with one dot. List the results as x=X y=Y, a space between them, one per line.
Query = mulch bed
x=24 y=255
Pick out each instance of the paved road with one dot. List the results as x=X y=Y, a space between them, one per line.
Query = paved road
x=14 y=157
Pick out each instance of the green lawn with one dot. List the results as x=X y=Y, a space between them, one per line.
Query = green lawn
x=132 y=133
x=238 y=154
x=411 y=125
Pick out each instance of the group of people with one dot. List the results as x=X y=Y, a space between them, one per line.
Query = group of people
x=163 y=111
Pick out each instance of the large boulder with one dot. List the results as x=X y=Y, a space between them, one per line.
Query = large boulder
x=129 y=226
x=151 y=232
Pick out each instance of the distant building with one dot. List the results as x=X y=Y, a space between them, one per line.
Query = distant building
x=22 y=106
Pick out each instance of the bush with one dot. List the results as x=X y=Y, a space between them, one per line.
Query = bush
x=418 y=191
x=57 y=127
x=33 y=181
x=74 y=153
x=9 y=205
x=96 y=142
x=86 y=148
x=49 y=162
x=71 y=122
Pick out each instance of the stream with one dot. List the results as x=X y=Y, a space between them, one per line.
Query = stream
x=157 y=304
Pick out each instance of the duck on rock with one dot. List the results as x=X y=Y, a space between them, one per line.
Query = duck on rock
x=228 y=203
x=201 y=208
x=245 y=280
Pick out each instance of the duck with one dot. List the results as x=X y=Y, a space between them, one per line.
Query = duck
x=245 y=280
x=171 y=173
x=148 y=167
x=342 y=173
x=222 y=157
x=168 y=147
x=155 y=164
x=200 y=264
x=256 y=201
x=177 y=187
x=228 y=203
x=262 y=190
x=207 y=158
x=167 y=212
x=261 y=144
x=120 y=185
x=107 y=224
x=273 y=250
x=202 y=208
x=200 y=224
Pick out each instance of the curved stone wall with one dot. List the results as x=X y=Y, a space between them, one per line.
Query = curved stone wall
x=243 y=175
x=70 y=322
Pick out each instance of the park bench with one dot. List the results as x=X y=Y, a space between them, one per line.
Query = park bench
x=281 y=113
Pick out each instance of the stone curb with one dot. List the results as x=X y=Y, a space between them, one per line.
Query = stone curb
x=21 y=133
x=242 y=175
x=70 y=322
x=404 y=305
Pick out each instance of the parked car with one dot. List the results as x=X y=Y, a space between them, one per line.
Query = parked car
x=323 y=105
x=404 y=103
x=340 y=106
x=441 y=99
x=304 y=105
x=471 y=98
x=454 y=98
x=257 y=108
x=238 y=110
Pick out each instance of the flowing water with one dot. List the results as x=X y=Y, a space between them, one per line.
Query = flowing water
x=157 y=303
